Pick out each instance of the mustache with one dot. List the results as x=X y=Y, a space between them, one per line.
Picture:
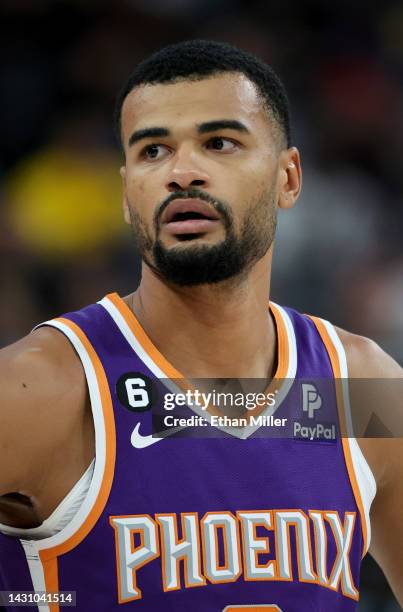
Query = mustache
x=194 y=193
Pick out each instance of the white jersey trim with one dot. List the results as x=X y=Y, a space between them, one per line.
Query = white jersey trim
x=35 y=569
x=363 y=473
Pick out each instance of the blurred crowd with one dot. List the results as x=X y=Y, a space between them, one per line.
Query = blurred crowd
x=63 y=243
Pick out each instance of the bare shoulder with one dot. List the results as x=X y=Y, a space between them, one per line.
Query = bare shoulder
x=366 y=360
x=43 y=404
x=44 y=351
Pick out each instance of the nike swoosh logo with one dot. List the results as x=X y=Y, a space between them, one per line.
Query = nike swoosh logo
x=139 y=441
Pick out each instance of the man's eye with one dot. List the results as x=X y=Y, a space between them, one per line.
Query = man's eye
x=153 y=151
x=218 y=143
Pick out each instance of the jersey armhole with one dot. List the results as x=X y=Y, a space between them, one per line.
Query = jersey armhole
x=42 y=555
x=361 y=477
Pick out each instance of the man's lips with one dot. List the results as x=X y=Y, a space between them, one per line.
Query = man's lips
x=190 y=205
x=175 y=221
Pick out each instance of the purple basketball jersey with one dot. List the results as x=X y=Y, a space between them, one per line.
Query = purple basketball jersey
x=236 y=521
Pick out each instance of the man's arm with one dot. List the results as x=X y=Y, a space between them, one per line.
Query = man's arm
x=366 y=359
x=46 y=433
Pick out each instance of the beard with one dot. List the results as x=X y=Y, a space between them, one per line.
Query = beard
x=191 y=264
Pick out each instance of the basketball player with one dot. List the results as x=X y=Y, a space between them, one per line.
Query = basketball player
x=91 y=501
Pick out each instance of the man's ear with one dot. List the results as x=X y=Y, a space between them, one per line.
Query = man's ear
x=125 y=204
x=290 y=177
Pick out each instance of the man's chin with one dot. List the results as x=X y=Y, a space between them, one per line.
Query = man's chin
x=196 y=250
x=192 y=263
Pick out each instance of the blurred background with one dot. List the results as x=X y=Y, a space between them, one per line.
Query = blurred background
x=63 y=243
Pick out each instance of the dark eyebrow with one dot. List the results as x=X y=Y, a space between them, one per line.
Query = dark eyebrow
x=221 y=124
x=202 y=128
x=153 y=132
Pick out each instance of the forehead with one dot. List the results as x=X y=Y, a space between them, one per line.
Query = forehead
x=186 y=103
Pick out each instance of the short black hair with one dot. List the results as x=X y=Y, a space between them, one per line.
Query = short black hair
x=198 y=59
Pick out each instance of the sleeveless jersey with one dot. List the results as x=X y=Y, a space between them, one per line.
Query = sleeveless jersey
x=231 y=522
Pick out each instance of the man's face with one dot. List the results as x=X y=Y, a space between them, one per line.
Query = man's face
x=201 y=177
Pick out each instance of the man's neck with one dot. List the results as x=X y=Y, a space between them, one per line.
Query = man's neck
x=212 y=331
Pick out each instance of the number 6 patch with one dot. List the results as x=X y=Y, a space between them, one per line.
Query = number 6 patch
x=135 y=391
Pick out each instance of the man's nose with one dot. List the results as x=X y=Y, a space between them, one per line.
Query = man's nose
x=186 y=173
